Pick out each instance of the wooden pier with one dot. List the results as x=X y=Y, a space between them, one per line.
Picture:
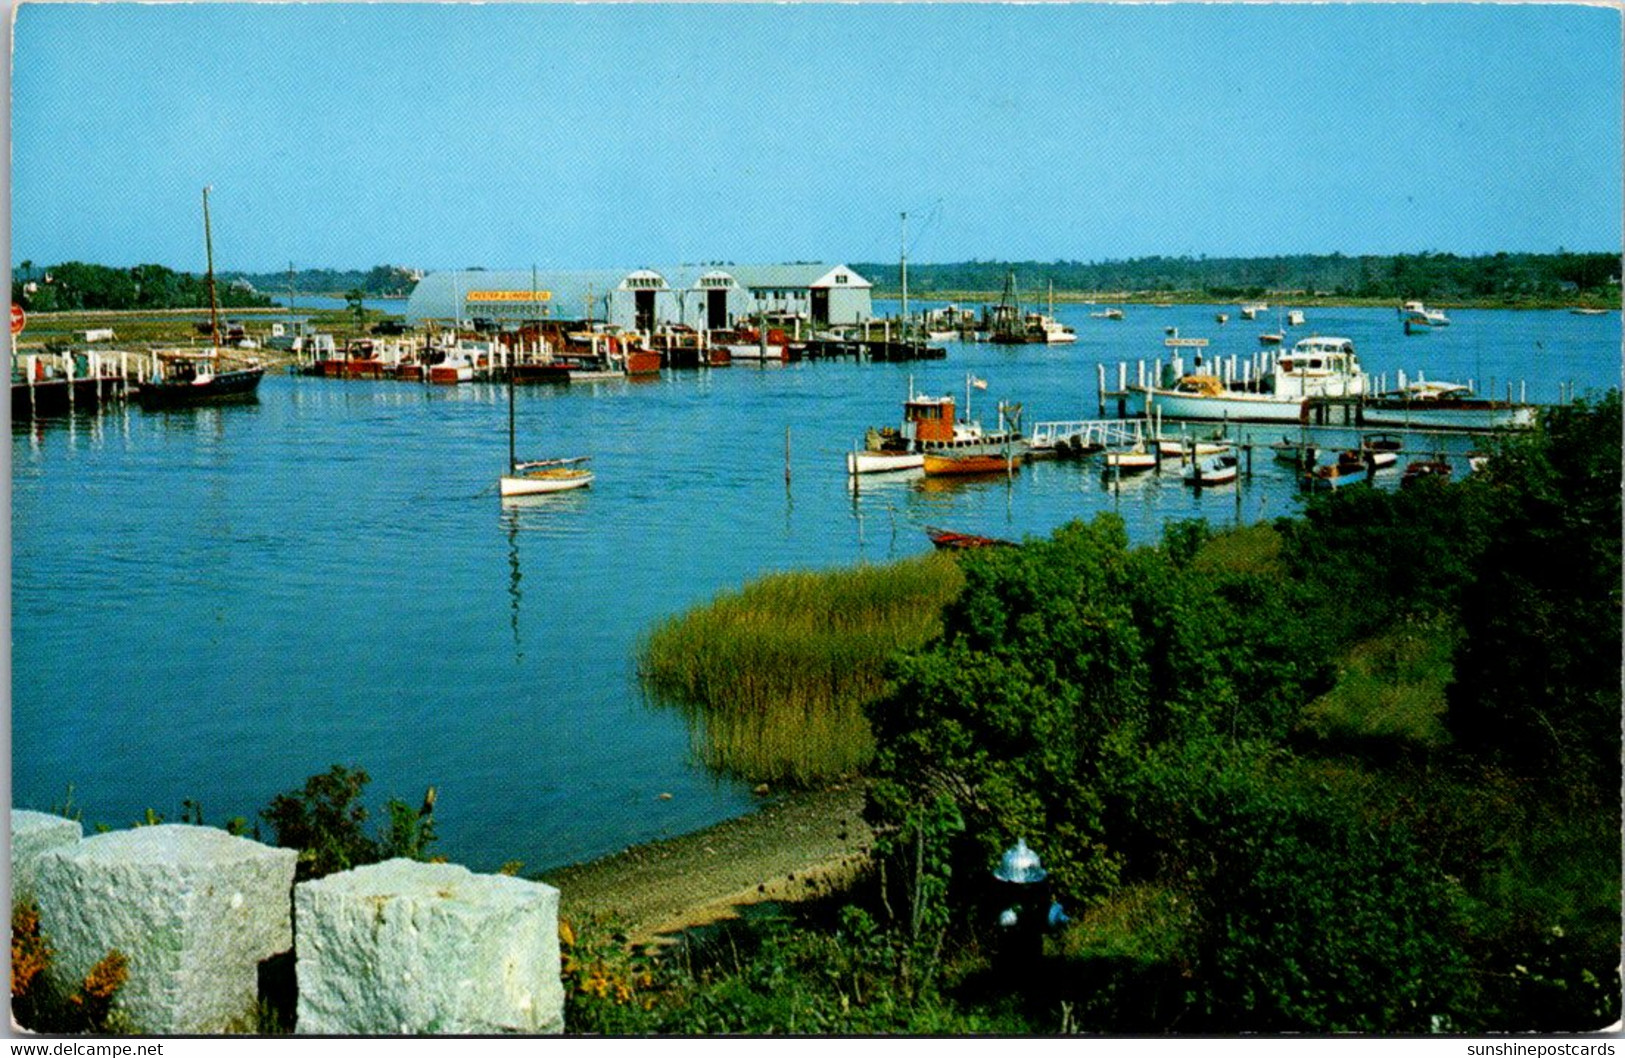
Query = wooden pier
x=47 y=384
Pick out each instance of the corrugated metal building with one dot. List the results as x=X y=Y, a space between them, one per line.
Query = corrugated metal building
x=705 y=297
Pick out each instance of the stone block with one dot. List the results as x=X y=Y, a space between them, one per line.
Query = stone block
x=193 y=908
x=32 y=835
x=413 y=948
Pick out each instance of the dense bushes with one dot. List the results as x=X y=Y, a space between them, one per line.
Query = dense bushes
x=1137 y=716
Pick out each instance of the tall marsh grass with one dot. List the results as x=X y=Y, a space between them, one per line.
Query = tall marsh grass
x=774 y=677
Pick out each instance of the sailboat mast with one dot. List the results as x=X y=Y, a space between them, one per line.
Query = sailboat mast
x=512 y=457
x=208 y=249
x=903 y=256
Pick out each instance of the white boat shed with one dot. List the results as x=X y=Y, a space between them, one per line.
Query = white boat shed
x=705 y=297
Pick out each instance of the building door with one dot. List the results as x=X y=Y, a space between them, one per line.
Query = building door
x=716 y=309
x=820 y=307
x=644 y=310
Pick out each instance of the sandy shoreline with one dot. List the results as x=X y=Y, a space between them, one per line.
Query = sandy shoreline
x=799 y=845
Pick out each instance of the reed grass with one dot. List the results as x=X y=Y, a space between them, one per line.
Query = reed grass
x=774 y=678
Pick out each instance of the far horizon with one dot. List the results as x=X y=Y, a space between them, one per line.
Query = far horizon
x=18 y=265
x=454 y=134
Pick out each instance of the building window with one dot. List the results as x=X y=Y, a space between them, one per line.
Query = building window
x=840 y=277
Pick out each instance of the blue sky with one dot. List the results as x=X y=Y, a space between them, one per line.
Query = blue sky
x=441 y=135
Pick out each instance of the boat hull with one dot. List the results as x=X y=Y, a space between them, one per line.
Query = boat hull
x=538 y=482
x=227 y=387
x=870 y=462
x=1449 y=415
x=1234 y=407
x=946 y=465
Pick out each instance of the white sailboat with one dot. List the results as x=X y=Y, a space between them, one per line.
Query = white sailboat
x=539 y=475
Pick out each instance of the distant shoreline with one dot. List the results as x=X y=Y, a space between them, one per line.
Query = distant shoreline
x=1283 y=301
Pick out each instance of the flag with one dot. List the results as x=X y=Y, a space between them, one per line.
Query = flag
x=979 y=383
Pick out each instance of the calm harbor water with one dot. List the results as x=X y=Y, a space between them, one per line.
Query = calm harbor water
x=215 y=603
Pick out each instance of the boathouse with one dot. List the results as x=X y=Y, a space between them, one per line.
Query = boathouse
x=705 y=297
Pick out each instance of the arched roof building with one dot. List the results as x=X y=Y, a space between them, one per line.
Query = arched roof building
x=701 y=296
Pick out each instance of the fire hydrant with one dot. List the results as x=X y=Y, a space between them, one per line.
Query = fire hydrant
x=1025 y=911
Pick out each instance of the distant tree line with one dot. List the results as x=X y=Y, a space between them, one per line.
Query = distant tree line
x=1431 y=276
x=75 y=286
x=379 y=281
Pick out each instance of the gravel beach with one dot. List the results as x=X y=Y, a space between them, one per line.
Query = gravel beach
x=794 y=846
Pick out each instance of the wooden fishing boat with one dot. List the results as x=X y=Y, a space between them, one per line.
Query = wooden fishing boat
x=930 y=427
x=948 y=540
x=185 y=377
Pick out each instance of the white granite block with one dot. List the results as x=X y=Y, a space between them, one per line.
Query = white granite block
x=193 y=908
x=407 y=948
x=32 y=835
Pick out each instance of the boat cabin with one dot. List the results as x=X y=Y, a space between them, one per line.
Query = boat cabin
x=1319 y=367
x=928 y=419
x=1201 y=385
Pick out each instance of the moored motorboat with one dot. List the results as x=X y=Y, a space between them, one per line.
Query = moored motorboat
x=1214 y=470
x=1419 y=471
x=1445 y=406
x=451 y=370
x=1301 y=454
x=1336 y=475
x=1415 y=310
x=1314 y=367
x=1367 y=459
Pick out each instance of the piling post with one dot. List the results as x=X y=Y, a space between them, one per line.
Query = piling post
x=1122 y=372
x=67 y=372
x=1100 y=381
x=1523 y=391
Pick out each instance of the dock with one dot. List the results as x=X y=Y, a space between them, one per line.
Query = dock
x=54 y=383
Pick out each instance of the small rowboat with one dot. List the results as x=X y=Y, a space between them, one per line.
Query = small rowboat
x=1174 y=446
x=1214 y=470
x=875 y=461
x=948 y=540
x=1418 y=471
x=1297 y=453
x=936 y=464
x=1335 y=476
x=1131 y=460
